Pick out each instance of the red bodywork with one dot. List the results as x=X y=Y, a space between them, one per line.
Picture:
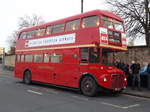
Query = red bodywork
x=71 y=70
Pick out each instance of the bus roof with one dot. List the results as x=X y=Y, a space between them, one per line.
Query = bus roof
x=86 y=14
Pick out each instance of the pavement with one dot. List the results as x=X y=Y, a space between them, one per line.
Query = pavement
x=6 y=72
x=144 y=92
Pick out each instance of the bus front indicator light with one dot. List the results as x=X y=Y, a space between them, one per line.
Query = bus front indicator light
x=105 y=79
x=125 y=79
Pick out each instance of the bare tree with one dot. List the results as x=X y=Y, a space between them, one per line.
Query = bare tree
x=28 y=21
x=11 y=39
x=136 y=14
x=24 y=22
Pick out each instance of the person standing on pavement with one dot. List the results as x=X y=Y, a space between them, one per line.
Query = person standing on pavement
x=148 y=77
x=135 y=68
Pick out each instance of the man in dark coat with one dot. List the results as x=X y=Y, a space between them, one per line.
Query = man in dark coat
x=135 y=68
x=148 y=77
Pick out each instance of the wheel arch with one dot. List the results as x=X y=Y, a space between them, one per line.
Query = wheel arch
x=85 y=75
x=27 y=69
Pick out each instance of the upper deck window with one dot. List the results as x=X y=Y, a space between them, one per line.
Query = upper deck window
x=31 y=34
x=92 y=21
x=107 y=22
x=41 y=32
x=58 y=28
x=23 y=35
x=118 y=26
x=73 y=25
x=48 y=30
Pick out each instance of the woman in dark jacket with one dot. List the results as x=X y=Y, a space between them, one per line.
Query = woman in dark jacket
x=148 y=77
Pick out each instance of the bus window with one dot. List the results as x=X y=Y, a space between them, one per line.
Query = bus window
x=23 y=35
x=73 y=25
x=22 y=58
x=58 y=28
x=107 y=57
x=94 y=55
x=84 y=55
x=92 y=21
x=41 y=32
x=46 y=58
x=18 y=58
x=107 y=22
x=28 y=58
x=117 y=35
x=38 y=58
x=55 y=58
x=48 y=30
x=118 y=26
x=29 y=34
x=111 y=36
x=33 y=33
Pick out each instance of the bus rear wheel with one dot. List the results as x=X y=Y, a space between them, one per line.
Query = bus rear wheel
x=89 y=86
x=27 y=77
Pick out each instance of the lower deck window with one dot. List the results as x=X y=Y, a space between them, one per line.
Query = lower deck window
x=107 y=57
x=18 y=58
x=28 y=58
x=84 y=55
x=94 y=55
x=38 y=58
x=22 y=58
x=56 y=58
x=91 y=55
x=46 y=58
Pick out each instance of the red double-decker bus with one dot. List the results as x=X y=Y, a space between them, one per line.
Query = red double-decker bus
x=76 y=52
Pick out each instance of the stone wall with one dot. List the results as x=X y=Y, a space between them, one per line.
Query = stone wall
x=10 y=60
x=139 y=53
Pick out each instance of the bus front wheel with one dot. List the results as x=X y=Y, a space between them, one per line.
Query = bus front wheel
x=88 y=86
x=27 y=77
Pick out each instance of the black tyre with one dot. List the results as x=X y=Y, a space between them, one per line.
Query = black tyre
x=27 y=77
x=89 y=86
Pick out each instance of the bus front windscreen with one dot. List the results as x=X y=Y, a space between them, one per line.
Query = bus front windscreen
x=118 y=26
x=112 y=24
x=107 y=57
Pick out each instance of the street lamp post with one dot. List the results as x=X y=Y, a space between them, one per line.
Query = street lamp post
x=81 y=6
x=3 y=59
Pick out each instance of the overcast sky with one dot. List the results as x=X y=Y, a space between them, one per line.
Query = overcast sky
x=11 y=10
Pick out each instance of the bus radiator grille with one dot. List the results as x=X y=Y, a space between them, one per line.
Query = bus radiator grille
x=117 y=81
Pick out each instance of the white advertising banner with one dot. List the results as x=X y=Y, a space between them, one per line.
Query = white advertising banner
x=54 y=40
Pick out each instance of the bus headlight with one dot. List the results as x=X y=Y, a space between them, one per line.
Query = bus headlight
x=125 y=79
x=104 y=79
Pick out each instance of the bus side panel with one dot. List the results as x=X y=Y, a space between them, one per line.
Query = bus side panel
x=18 y=70
x=70 y=65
